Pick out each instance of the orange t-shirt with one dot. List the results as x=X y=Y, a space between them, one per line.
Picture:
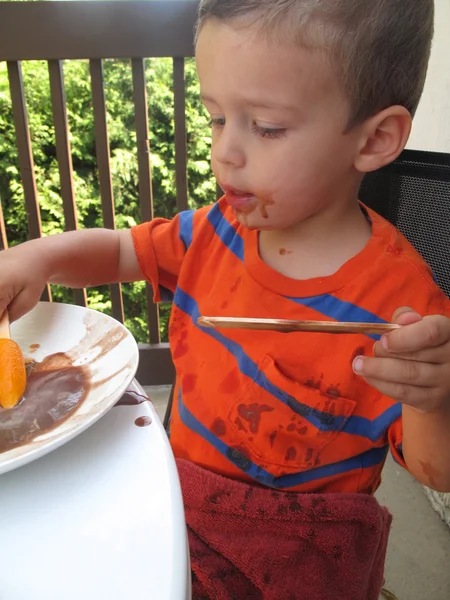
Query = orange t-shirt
x=281 y=409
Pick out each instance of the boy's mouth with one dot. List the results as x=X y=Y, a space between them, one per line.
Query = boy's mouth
x=239 y=200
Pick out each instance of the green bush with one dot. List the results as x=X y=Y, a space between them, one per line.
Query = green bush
x=119 y=100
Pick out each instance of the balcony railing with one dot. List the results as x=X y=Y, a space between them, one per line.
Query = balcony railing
x=99 y=30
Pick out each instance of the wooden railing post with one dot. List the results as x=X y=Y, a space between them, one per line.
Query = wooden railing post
x=145 y=177
x=63 y=154
x=104 y=169
x=26 y=162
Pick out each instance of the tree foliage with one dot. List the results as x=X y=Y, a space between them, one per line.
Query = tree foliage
x=124 y=170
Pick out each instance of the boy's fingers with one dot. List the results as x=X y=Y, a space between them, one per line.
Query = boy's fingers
x=429 y=332
x=413 y=383
x=437 y=356
x=398 y=371
x=422 y=398
x=3 y=307
x=23 y=303
x=4 y=302
x=405 y=316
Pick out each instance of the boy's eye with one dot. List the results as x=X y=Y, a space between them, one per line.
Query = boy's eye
x=268 y=132
x=217 y=122
x=265 y=132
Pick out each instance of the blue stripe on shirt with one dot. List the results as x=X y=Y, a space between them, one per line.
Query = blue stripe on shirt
x=367 y=459
x=339 y=310
x=226 y=232
x=328 y=305
x=186 y=220
x=373 y=430
x=322 y=420
x=356 y=425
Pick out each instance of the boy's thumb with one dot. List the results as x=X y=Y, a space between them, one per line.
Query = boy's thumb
x=406 y=316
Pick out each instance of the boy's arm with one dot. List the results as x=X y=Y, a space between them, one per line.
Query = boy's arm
x=426 y=447
x=412 y=365
x=74 y=259
x=89 y=258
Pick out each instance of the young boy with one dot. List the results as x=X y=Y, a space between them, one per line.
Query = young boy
x=305 y=97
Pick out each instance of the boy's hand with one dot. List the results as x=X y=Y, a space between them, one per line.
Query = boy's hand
x=76 y=259
x=412 y=364
x=22 y=279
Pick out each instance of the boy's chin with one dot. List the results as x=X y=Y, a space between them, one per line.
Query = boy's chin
x=253 y=221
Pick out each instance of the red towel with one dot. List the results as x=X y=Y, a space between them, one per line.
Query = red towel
x=253 y=543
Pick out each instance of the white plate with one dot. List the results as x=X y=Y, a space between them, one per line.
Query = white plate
x=104 y=346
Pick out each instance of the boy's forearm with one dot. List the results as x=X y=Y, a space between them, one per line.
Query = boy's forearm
x=80 y=258
x=426 y=447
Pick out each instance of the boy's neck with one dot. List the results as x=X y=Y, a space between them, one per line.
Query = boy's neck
x=318 y=246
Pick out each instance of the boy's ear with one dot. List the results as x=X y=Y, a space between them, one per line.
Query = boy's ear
x=383 y=137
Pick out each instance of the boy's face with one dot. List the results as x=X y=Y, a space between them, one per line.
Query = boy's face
x=279 y=115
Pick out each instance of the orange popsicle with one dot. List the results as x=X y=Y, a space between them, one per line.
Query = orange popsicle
x=13 y=377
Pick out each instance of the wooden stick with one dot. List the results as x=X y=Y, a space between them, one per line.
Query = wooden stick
x=285 y=326
x=4 y=326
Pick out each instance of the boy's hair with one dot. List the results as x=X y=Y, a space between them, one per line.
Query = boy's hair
x=381 y=47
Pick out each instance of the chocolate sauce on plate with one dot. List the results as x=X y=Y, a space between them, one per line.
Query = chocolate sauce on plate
x=55 y=389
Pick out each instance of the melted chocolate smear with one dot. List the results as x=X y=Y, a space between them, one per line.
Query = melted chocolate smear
x=131 y=398
x=144 y=421
x=55 y=389
x=263 y=204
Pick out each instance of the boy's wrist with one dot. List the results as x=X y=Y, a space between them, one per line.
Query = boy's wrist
x=442 y=411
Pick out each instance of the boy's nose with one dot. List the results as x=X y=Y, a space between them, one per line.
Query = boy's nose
x=227 y=149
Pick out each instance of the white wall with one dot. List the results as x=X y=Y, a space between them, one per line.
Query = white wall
x=431 y=129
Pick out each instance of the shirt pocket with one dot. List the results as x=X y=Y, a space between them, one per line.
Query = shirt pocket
x=284 y=425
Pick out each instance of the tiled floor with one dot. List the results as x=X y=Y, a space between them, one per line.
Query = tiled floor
x=419 y=545
x=419 y=550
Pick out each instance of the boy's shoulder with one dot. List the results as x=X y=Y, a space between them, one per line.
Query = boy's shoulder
x=394 y=246
x=400 y=269
x=214 y=213
x=215 y=221
x=392 y=273
x=389 y=245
